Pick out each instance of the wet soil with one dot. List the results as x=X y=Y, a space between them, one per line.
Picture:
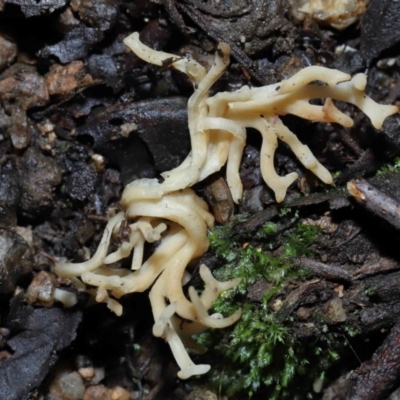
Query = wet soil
x=81 y=116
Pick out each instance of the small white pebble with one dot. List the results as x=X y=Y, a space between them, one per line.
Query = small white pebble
x=126 y=129
x=86 y=373
x=98 y=161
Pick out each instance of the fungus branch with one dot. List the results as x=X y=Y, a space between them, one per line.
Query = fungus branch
x=218 y=124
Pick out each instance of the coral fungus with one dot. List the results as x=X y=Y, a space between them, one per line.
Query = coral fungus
x=170 y=212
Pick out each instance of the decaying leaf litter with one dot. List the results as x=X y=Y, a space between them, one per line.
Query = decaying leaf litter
x=70 y=102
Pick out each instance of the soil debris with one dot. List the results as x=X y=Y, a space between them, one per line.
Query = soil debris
x=76 y=44
x=8 y=52
x=21 y=86
x=41 y=174
x=16 y=260
x=65 y=80
x=379 y=27
x=32 y=8
x=36 y=336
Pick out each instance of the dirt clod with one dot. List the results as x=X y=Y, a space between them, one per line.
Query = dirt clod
x=41 y=290
x=67 y=79
x=15 y=260
x=22 y=86
x=41 y=174
x=8 y=52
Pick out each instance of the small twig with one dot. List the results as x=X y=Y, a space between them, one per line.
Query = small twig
x=98 y=218
x=376 y=378
x=323 y=270
x=383 y=265
x=376 y=201
x=352 y=348
x=350 y=142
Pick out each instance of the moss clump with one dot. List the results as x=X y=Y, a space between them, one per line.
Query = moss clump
x=259 y=353
x=392 y=167
x=251 y=262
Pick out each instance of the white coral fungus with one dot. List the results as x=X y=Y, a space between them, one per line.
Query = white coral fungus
x=171 y=213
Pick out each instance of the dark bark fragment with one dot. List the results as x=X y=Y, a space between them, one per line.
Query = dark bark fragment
x=380 y=27
x=386 y=289
x=155 y=35
x=104 y=68
x=306 y=294
x=375 y=378
x=256 y=28
x=391 y=130
x=15 y=260
x=101 y=14
x=76 y=44
x=366 y=165
x=10 y=190
x=255 y=222
x=32 y=8
x=40 y=333
x=119 y=132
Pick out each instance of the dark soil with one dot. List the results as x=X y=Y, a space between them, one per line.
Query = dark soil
x=81 y=116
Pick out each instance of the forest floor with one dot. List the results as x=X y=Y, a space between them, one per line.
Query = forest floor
x=81 y=117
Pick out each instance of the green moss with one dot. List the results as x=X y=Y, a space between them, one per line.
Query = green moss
x=369 y=292
x=251 y=262
x=253 y=356
x=393 y=167
x=259 y=352
x=351 y=330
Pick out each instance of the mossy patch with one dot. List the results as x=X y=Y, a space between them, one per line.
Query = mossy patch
x=260 y=353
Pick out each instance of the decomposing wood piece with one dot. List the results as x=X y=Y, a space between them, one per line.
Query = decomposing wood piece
x=197 y=12
x=350 y=142
x=375 y=378
x=241 y=57
x=376 y=201
x=365 y=165
x=255 y=221
x=327 y=271
x=337 y=198
x=305 y=294
x=387 y=288
x=378 y=317
x=219 y=198
x=383 y=265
